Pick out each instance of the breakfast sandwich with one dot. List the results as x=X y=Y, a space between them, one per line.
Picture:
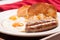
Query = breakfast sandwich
x=39 y=17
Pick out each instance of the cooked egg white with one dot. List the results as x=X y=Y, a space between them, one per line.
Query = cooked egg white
x=8 y=23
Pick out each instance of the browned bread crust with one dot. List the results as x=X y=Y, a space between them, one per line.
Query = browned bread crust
x=22 y=11
x=45 y=8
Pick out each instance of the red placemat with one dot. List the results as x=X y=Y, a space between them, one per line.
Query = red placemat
x=16 y=5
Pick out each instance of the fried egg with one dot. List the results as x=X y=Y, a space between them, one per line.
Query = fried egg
x=13 y=22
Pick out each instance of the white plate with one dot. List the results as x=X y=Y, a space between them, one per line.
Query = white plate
x=8 y=1
x=14 y=32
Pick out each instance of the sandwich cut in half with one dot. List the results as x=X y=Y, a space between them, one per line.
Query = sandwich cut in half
x=40 y=17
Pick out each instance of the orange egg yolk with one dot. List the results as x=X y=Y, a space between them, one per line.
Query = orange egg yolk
x=17 y=24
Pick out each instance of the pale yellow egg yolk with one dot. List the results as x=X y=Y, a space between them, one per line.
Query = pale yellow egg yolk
x=13 y=18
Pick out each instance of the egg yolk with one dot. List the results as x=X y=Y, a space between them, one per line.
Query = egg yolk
x=13 y=18
x=17 y=24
